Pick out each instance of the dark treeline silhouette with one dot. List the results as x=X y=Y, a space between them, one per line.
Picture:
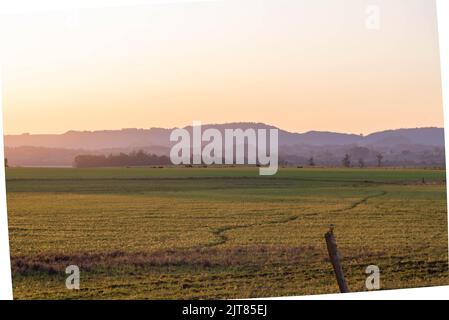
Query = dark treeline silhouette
x=134 y=159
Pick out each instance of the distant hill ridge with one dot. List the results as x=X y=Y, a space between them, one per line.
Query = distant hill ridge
x=135 y=138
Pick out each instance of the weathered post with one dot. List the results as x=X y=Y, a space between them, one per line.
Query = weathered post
x=335 y=259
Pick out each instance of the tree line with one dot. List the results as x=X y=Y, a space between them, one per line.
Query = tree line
x=134 y=159
x=347 y=162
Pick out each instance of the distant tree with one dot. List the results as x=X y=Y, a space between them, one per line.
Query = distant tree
x=361 y=163
x=134 y=159
x=379 y=158
x=311 y=162
x=346 y=162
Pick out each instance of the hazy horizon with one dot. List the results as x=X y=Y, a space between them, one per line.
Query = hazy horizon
x=299 y=65
x=217 y=124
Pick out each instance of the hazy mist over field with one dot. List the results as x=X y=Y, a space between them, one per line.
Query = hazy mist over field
x=402 y=147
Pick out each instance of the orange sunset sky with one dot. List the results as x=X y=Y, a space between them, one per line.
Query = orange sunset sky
x=297 y=64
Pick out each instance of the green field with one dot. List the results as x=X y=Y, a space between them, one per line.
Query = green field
x=197 y=233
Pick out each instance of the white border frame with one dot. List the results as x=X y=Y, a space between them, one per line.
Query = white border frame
x=27 y=5
x=5 y=262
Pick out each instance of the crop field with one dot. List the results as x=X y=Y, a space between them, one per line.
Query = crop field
x=200 y=233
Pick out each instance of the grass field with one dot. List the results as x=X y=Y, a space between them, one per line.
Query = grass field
x=222 y=232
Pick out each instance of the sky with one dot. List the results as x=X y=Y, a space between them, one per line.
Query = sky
x=297 y=64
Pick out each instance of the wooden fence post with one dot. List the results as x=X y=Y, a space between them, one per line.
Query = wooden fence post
x=335 y=259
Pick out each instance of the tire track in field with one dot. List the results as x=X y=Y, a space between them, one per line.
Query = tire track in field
x=220 y=233
x=222 y=238
x=360 y=202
